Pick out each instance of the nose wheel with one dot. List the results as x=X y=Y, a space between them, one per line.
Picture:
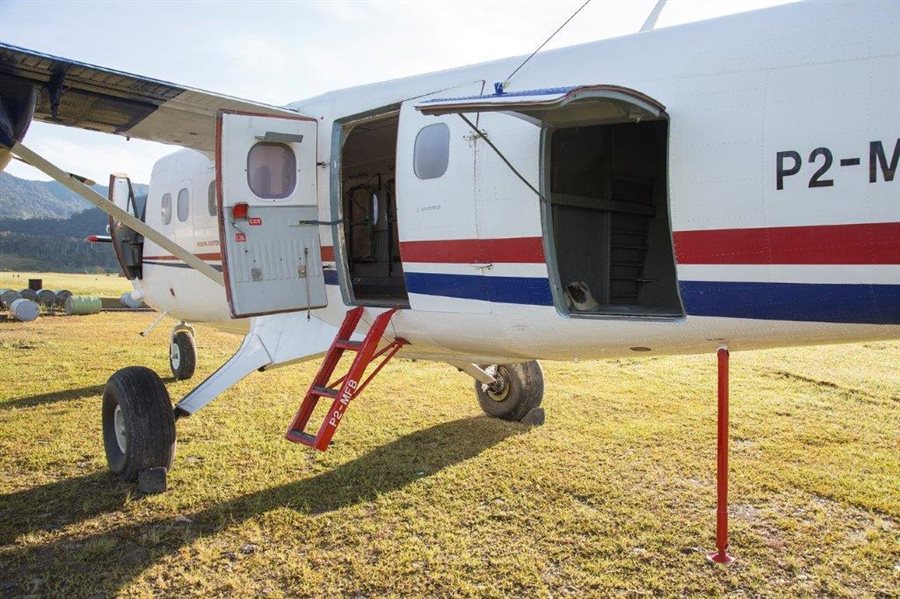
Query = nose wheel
x=182 y=355
x=138 y=423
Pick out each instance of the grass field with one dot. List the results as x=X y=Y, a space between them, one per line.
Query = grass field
x=421 y=495
x=107 y=285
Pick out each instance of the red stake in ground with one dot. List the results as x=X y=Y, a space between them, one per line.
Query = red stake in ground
x=721 y=555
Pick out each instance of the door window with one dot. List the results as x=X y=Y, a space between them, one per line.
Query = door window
x=432 y=151
x=271 y=170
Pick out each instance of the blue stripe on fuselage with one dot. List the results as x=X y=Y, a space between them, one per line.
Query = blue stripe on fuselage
x=507 y=290
x=813 y=302
x=810 y=302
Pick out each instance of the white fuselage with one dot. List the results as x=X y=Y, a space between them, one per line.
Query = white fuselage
x=744 y=96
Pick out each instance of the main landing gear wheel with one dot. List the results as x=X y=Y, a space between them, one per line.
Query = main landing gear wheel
x=518 y=390
x=138 y=423
x=182 y=356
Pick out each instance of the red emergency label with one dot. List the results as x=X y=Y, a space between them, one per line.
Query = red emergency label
x=240 y=237
x=255 y=221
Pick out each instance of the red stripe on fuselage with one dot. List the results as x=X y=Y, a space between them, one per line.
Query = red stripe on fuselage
x=519 y=250
x=208 y=256
x=870 y=243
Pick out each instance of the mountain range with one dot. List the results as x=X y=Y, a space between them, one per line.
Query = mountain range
x=24 y=199
x=43 y=227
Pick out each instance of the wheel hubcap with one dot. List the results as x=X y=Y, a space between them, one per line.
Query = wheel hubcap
x=498 y=391
x=119 y=427
x=174 y=356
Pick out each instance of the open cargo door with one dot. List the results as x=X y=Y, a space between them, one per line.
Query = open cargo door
x=557 y=107
x=266 y=175
x=604 y=191
x=128 y=244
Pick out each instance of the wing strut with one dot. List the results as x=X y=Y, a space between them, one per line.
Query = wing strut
x=117 y=213
x=650 y=23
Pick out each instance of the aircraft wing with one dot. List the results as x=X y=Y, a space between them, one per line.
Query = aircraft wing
x=90 y=97
x=66 y=92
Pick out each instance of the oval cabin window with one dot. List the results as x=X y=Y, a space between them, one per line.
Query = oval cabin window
x=432 y=151
x=184 y=204
x=271 y=170
x=211 y=198
x=166 y=208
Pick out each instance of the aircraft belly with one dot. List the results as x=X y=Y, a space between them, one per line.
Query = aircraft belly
x=170 y=286
x=520 y=333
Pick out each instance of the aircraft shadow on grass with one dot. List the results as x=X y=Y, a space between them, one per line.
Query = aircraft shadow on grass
x=382 y=470
x=58 y=396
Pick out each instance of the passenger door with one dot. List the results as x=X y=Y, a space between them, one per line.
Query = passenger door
x=128 y=244
x=268 y=217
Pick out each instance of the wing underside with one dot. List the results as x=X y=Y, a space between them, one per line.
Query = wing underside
x=90 y=97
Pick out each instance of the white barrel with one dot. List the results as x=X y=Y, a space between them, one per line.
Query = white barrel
x=24 y=310
x=46 y=297
x=128 y=301
x=7 y=297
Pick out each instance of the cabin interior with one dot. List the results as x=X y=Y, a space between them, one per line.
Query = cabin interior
x=610 y=219
x=369 y=207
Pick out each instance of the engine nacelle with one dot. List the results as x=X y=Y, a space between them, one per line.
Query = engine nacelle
x=17 y=104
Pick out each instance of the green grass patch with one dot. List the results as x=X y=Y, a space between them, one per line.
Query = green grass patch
x=422 y=495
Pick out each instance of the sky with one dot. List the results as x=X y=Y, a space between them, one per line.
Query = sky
x=280 y=52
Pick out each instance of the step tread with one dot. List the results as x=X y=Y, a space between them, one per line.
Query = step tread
x=347 y=344
x=323 y=391
x=301 y=437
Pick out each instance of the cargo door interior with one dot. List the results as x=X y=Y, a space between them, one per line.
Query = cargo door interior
x=604 y=186
x=266 y=173
x=129 y=245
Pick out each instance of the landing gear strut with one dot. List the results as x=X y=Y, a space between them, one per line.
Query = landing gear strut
x=517 y=389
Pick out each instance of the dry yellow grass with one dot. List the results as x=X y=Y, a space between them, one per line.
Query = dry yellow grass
x=421 y=495
x=107 y=285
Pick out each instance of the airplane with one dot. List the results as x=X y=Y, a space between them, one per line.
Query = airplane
x=729 y=184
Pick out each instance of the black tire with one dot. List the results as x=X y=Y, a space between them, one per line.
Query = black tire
x=182 y=356
x=521 y=390
x=146 y=419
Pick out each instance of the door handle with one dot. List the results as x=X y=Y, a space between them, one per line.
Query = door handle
x=482 y=266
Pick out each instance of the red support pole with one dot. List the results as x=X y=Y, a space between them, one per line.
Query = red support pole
x=721 y=556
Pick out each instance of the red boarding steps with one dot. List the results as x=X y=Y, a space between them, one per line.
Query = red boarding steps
x=350 y=386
